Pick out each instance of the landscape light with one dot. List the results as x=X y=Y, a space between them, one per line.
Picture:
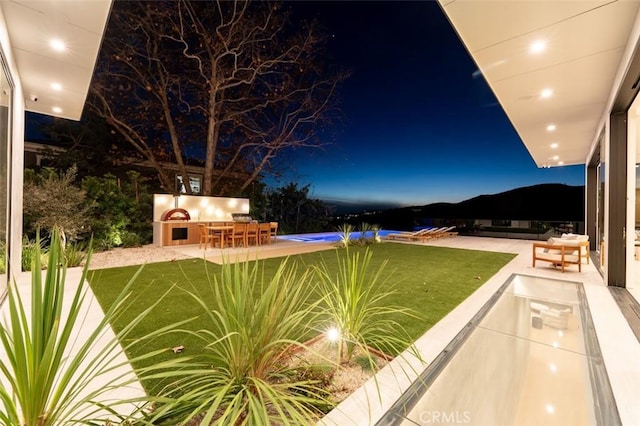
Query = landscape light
x=333 y=334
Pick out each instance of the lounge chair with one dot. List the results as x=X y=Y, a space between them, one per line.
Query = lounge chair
x=444 y=232
x=417 y=235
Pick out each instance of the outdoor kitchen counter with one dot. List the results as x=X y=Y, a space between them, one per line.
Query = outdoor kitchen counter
x=180 y=232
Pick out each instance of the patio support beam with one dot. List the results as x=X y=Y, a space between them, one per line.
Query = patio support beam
x=617 y=161
x=591 y=192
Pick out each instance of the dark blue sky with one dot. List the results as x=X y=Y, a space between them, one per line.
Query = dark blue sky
x=419 y=126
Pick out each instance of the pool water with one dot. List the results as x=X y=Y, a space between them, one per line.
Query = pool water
x=329 y=237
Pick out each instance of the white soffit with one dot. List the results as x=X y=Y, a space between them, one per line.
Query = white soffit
x=32 y=24
x=584 y=43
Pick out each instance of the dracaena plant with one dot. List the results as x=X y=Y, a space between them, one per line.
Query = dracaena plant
x=253 y=324
x=354 y=306
x=345 y=231
x=52 y=375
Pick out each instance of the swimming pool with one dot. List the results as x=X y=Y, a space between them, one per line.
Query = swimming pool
x=329 y=237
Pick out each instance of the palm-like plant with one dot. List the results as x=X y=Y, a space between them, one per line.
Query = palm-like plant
x=244 y=378
x=354 y=304
x=47 y=372
x=345 y=230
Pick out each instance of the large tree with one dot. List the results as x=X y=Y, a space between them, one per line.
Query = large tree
x=232 y=82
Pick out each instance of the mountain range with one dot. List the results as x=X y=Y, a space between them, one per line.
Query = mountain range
x=544 y=202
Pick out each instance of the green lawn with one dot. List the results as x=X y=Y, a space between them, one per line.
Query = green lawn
x=429 y=280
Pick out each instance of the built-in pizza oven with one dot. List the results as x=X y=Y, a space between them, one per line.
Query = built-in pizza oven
x=176 y=214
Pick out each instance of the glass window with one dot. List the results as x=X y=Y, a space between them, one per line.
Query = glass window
x=5 y=132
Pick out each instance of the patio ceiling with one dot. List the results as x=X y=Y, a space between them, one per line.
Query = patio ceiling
x=58 y=79
x=571 y=48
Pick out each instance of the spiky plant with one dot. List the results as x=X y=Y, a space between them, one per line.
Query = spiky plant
x=49 y=374
x=345 y=230
x=355 y=304
x=244 y=378
x=364 y=229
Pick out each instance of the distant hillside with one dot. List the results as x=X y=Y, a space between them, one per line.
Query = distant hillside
x=546 y=202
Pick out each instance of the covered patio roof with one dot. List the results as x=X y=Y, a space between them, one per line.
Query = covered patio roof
x=55 y=46
x=552 y=66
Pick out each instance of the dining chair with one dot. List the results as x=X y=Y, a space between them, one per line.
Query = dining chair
x=238 y=233
x=252 y=234
x=264 y=233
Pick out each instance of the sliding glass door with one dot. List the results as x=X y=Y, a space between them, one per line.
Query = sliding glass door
x=6 y=90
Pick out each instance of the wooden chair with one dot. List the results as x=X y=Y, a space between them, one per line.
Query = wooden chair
x=264 y=233
x=252 y=234
x=238 y=233
x=274 y=232
x=207 y=237
x=559 y=254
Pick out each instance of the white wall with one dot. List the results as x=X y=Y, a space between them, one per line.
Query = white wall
x=16 y=159
x=209 y=209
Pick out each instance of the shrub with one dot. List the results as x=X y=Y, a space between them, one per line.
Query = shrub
x=130 y=239
x=52 y=200
x=32 y=251
x=74 y=254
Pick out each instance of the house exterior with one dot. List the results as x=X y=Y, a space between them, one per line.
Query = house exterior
x=566 y=75
x=48 y=51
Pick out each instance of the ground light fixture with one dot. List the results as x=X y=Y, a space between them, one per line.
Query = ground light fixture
x=333 y=334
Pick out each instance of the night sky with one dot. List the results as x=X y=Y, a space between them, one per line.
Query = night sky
x=420 y=124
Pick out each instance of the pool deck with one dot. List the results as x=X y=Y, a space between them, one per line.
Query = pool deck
x=620 y=348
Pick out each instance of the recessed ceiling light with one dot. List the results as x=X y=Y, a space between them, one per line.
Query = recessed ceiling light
x=56 y=86
x=560 y=163
x=546 y=93
x=555 y=158
x=550 y=409
x=538 y=46
x=554 y=145
x=553 y=367
x=57 y=44
x=551 y=127
x=57 y=110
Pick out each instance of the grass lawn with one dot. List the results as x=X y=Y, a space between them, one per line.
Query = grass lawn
x=429 y=280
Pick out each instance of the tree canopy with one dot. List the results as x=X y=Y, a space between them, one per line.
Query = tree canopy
x=234 y=84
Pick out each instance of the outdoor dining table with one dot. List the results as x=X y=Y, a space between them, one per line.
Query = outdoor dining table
x=222 y=229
